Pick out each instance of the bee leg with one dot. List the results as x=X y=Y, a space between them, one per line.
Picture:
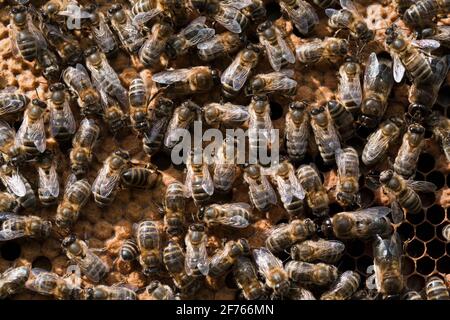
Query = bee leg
x=135 y=60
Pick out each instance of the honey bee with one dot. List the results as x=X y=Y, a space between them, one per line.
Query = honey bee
x=13 y=281
x=189 y=81
x=105 y=185
x=196 y=32
x=105 y=78
x=17 y=185
x=158 y=291
x=360 y=224
x=90 y=264
x=198 y=184
x=226 y=114
x=76 y=194
x=128 y=32
x=387 y=265
x=31 y=134
x=187 y=284
x=182 y=118
x=325 y=3
x=162 y=113
x=224 y=259
x=8 y=202
x=62 y=122
x=347 y=187
x=423 y=12
x=129 y=250
x=378 y=142
x=145 y=10
x=378 y=82
x=227 y=13
x=88 y=98
x=349 y=89
x=220 y=45
x=436 y=290
x=12 y=102
x=277 y=50
x=14 y=227
x=261 y=192
x=349 y=18
x=101 y=33
x=297 y=131
x=299 y=293
x=410 y=150
x=271 y=268
x=10 y=150
x=140 y=177
x=114 y=292
x=325 y=134
x=49 y=64
x=236 y=215
x=246 y=278
x=441 y=129
x=407 y=55
x=342 y=118
x=404 y=192
x=283 y=236
x=148 y=239
x=173 y=257
x=305 y=273
x=317 y=49
x=255 y=12
x=174 y=206
x=48 y=190
x=237 y=73
x=301 y=13
x=83 y=144
x=438 y=33
x=290 y=190
x=153 y=48
x=50 y=284
x=327 y=251
x=225 y=169
x=412 y=295
x=115 y=117
x=273 y=83
x=196 y=260
x=25 y=38
x=344 y=288
x=260 y=125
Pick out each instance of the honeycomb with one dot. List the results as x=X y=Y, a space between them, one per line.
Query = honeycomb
x=426 y=251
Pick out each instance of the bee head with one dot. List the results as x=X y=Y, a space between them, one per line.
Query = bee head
x=416 y=128
x=52 y=8
x=253 y=171
x=39 y=103
x=264 y=26
x=326 y=228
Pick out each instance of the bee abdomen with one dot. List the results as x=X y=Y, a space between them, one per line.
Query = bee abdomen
x=436 y=289
x=410 y=201
x=129 y=250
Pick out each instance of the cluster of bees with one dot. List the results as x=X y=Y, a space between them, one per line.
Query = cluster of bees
x=155 y=33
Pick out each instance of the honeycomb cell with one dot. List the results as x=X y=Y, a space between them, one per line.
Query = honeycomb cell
x=415 y=248
x=436 y=214
x=10 y=250
x=363 y=262
x=346 y=263
x=355 y=248
x=443 y=264
x=415 y=218
x=406 y=231
x=427 y=199
x=437 y=178
x=425 y=231
x=426 y=163
x=444 y=96
x=273 y=11
x=161 y=160
x=276 y=110
x=367 y=197
x=42 y=262
x=425 y=266
x=415 y=282
x=408 y=266
x=356 y=143
x=318 y=161
x=435 y=248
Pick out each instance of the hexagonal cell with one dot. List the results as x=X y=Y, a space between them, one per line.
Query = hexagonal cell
x=419 y=176
x=436 y=214
x=276 y=110
x=444 y=96
x=346 y=263
x=42 y=262
x=415 y=248
x=443 y=264
x=367 y=197
x=426 y=163
x=355 y=248
x=273 y=11
x=10 y=250
x=161 y=160
x=427 y=199
x=406 y=231
x=435 y=248
x=437 y=178
x=408 y=266
x=425 y=231
x=415 y=218
x=415 y=282
x=425 y=266
x=363 y=262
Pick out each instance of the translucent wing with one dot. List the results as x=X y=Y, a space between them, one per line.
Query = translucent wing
x=297 y=189
x=236 y=74
x=328 y=139
x=207 y=182
x=271 y=195
x=397 y=212
x=142 y=18
x=62 y=119
x=104 y=36
x=171 y=76
x=6 y=235
x=348 y=4
x=331 y=12
x=173 y=130
x=376 y=211
x=105 y=183
x=344 y=165
x=426 y=44
x=350 y=88
x=197 y=31
x=266 y=261
x=49 y=183
x=395 y=245
x=15 y=183
x=332 y=249
x=372 y=70
x=234 y=221
x=285 y=50
x=376 y=142
x=226 y=20
x=279 y=82
x=213 y=45
x=421 y=186
x=399 y=69
x=301 y=15
x=196 y=257
x=36 y=133
x=273 y=53
x=238 y=4
x=10 y=103
x=231 y=112
x=188 y=183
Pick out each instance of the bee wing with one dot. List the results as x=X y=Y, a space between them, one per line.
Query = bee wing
x=397 y=212
x=227 y=22
x=233 y=113
x=40 y=39
x=213 y=45
x=15 y=183
x=237 y=4
x=143 y=17
x=372 y=70
x=10 y=105
x=37 y=134
x=207 y=182
x=104 y=184
x=272 y=54
x=377 y=141
x=348 y=4
x=6 y=235
x=234 y=221
x=379 y=212
x=301 y=15
x=395 y=245
x=284 y=189
x=344 y=167
x=399 y=69
x=297 y=188
x=237 y=74
x=272 y=196
x=82 y=69
x=421 y=186
x=103 y=34
x=188 y=183
x=68 y=120
x=280 y=82
x=171 y=76
x=351 y=88
x=331 y=12
x=200 y=35
x=171 y=133
x=331 y=249
x=49 y=182
x=266 y=261
x=426 y=44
